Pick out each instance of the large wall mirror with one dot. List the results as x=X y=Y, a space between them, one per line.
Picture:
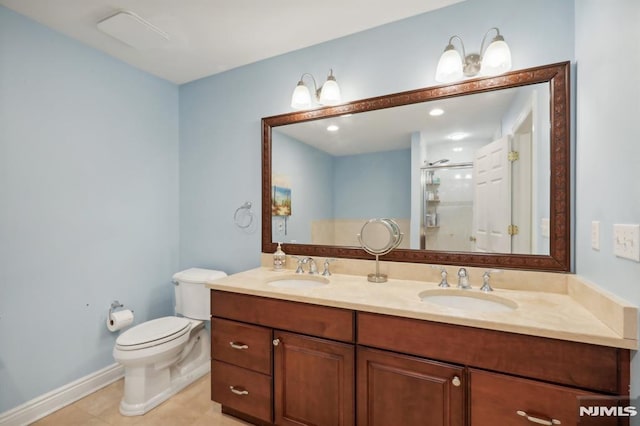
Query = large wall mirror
x=475 y=173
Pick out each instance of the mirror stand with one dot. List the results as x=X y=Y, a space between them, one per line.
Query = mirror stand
x=378 y=237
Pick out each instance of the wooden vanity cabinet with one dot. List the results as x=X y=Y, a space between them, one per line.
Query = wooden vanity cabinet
x=308 y=364
x=291 y=363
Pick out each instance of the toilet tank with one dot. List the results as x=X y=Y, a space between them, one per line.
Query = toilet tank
x=192 y=297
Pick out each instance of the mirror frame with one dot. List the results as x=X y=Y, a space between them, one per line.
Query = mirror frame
x=559 y=259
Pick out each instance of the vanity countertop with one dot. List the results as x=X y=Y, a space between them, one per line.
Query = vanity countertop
x=555 y=315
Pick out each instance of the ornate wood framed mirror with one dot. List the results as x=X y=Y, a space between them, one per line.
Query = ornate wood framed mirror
x=390 y=158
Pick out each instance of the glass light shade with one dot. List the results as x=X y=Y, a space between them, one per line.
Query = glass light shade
x=330 y=93
x=497 y=58
x=449 y=66
x=301 y=97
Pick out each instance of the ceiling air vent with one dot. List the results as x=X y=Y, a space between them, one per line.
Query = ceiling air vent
x=131 y=29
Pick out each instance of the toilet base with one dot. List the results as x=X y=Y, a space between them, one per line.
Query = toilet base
x=147 y=387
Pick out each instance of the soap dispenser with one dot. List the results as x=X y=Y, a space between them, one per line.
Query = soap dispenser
x=279 y=258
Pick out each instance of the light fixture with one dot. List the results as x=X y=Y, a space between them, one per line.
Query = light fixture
x=496 y=59
x=328 y=94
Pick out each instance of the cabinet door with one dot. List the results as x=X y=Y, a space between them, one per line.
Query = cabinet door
x=313 y=381
x=505 y=400
x=396 y=389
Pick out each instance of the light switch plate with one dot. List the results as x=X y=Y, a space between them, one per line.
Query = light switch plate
x=626 y=241
x=595 y=235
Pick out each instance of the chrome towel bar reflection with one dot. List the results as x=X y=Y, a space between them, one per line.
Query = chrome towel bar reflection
x=449 y=166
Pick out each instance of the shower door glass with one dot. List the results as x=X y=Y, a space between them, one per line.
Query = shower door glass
x=447 y=219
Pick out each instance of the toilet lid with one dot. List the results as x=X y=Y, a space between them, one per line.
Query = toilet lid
x=153 y=332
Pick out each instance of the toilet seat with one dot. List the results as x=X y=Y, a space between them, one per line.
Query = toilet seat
x=153 y=333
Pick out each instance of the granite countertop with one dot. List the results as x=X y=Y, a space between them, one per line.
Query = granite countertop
x=538 y=313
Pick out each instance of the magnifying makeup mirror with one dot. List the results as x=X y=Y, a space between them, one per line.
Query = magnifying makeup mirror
x=378 y=237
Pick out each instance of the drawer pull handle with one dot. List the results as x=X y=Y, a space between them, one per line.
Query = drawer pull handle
x=538 y=420
x=238 y=345
x=239 y=391
x=456 y=381
x=276 y=342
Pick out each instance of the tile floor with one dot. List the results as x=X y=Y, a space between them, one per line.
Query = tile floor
x=191 y=407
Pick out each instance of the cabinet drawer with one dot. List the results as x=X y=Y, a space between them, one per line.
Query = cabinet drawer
x=499 y=399
x=305 y=318
x=241 y=344
x=558 y=361
x=240 y=389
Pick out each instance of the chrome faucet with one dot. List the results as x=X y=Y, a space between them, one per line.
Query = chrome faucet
x=300 y=260
x=443 y=276
x=486 y=286
x=313 y=267
x=463 y=279
x=326 y=272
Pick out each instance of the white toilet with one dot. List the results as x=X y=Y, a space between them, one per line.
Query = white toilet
x=162 y=356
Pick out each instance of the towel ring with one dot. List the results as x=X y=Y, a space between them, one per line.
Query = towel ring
x=237 y=217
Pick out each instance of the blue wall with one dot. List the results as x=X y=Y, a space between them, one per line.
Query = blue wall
x=310 y=173
x=607 y=176
x=344 y=187
x=373 y=185
x=88 y=204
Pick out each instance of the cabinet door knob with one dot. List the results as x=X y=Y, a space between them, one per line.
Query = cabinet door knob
x=239 y=390
x=538 y=420
x=456 y=381
x=238 y=345
x=276 y=342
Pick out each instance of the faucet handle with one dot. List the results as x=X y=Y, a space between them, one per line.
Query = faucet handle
x=300 y=260
x=326 y=272
x=486 y=286
x=443 y=275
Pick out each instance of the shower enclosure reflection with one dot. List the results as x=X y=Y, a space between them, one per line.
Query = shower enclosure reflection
x=447 y=194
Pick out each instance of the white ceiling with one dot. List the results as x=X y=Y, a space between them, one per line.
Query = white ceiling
x=479 y=116
x=210 y=36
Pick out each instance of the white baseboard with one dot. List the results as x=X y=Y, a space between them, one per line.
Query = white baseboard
x=52 y=401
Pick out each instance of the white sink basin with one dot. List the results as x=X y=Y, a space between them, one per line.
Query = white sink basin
x=468 y=300
x=298 y=281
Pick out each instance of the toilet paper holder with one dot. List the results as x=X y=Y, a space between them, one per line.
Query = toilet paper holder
x=114 y=305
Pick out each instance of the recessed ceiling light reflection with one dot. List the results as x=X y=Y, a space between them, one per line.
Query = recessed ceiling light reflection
x=457 y=149
x=346 y=115
x=332 y=128
x=457 y=176
x=457 y=136
x=468 y=176
x=436 y=112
